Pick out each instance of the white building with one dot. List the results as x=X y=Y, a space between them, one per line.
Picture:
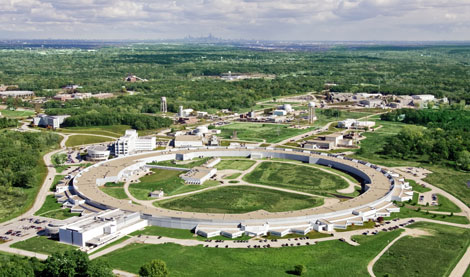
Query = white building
x=424 y=97
x=348 y=123
x=187 y=141
x=101 y=228
x=280 y=113
x=53 y=121
x=198 y=175
x=287 y=108
x=157 y=194
x=16 y=94
x=97 y=153
x=131 y=143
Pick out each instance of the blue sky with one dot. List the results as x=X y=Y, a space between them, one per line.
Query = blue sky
x=242 y=19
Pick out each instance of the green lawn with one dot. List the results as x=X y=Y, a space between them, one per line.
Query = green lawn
x=310 y=235
x=186 y=164
x=76 y=140
x=42 y=245
x=417 y=188
x=258 y=131
x=114 y=190
x=112 y=131
x=408 y=212
x=168 y=180
x=57 y=179
x=235 y=164
x=322 y=120
x=178 y=234
x=240 y=199
x=233 y=176
x=296 y=177
x=331 y=258
x=52 y=209
x=467 y=272
x=450 y=180
x=434 y=255
x=16 y=114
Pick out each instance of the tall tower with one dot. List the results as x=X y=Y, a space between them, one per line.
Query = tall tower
x=311 y=113
x=163 y=107
x=180 y=111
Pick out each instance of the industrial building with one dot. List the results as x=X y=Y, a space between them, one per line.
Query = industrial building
x=349 y=123
x=187 y=141
x=101 y=228
x=131 y=143
x=47 y=121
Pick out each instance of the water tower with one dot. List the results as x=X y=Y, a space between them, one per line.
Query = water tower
x=311 y=113
x=163 y=105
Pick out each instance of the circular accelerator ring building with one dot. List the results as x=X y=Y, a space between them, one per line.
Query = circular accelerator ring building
x=380 y=187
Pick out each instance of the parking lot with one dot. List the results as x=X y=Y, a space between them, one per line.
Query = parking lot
x=22 y=229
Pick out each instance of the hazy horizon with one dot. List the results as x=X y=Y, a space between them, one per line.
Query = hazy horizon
x=276 y=20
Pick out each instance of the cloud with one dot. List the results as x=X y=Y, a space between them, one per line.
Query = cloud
x=257 y=19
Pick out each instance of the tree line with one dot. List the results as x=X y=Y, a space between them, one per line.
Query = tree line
x=445 y=138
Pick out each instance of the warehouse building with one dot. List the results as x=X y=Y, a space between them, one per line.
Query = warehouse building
x=198 y=175
x=101 y=228
x=47 y=121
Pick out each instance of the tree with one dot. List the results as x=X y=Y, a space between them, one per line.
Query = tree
x=155 y=268
x=463 y=160
x=71 y=263
x=99 y=269
x=299 y=269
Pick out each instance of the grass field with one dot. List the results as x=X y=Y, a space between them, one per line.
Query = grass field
x=240 y=199
x=233 y=176
x=112 y=131
x=408 y=212
x=52 y=209
x=16 y=114
x=178 y=234
x=194 y=162
x=42 y=245
x=450 y=180
x=258 y=131
x=56 y=180
x=114 y=190
x=76 y=140
x=418 y=188
x=434 y=255
x=467 y=272
x=323 y=120
x=331 y=258
x=295 y=177
x=168 y=180
x=235 y=164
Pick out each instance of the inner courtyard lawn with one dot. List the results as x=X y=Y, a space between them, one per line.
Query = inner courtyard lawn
x=168 y=180
x=52 y=209
x=114 y=190
x=330 y=258
x=295 y=177
x=235 y=164
x=260 y=131
x=240 y=199
x=434 y=255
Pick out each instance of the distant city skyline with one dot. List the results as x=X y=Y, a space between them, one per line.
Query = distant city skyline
x=300 y=20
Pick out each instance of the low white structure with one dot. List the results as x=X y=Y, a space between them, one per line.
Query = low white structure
x=187 y=141
x=212 y=162
x=349 y=123
x=287 y=108
x=16 y=94
x=198 y=175
x=131 y=143
x=97 y=153
x=157 y=194
x=280 y=113
x=424 y=97
x=101 y=228
x=53 y=121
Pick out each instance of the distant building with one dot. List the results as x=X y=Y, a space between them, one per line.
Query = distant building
x=132 y=79
x=131 y=143
x=97 y=153
x=187 y=141
x=372 y=103
x=424 y=97
x=16 y=94
x=187 y=120
x=280 y=113
x=53 y=121
x=349 y=123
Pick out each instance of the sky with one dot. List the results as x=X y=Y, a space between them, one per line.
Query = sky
x=307 y=20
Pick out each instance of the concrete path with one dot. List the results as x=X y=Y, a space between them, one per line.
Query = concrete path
x=462 y=266
x=123 y=273
x=407 y=232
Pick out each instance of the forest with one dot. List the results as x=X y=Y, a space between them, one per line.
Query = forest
x=445 y=138
x=188 y=75
x=8 y=122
